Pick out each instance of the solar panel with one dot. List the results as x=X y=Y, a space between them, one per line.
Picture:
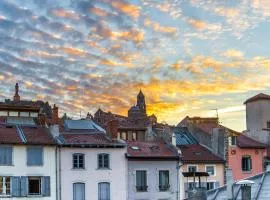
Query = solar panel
x=23 y=121
x=82 y=125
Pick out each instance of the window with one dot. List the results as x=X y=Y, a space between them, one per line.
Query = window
x=104 y=191
x=4 y=186
x=123 y=135
x=164 y=183
x=34 y=185
x=192 y=168
x=78 y=161
x=134 y=136
x=233 y=140
x=210 y=185
x=141 y=181
x=191 y=185
x=24 y=114
x=3 y=113
x=34 y=156
x=78 y=191
x=33 y=114
x=5 y=155
x=246 y=163
x=268 y=124
x=210 y=169
x=13 y=114
x=103 y=161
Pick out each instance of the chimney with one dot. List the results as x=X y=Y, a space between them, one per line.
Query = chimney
x=55 y=115
x=112 y=128
x=229 y=181
x=245 y=186
x=16 y=96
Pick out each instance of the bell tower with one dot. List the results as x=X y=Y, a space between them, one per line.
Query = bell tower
x=16 y=96
x=141 y=102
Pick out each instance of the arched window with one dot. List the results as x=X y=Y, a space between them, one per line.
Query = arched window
x=78 y=191
x=104 y=191
x=103 y=161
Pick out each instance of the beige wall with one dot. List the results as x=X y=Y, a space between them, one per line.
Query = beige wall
x=219 y=173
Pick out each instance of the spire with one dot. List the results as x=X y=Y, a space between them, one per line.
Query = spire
x=16 y=96
x=141 y=102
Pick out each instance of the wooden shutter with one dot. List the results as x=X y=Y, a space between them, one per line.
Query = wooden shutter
x=24 y=186
x=45 y=183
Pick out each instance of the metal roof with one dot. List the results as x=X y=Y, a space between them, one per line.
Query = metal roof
x=82 y=125
x=183 y=136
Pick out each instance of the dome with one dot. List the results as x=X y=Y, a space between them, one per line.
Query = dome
x=134 y=108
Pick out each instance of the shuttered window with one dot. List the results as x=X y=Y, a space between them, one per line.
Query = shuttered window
x=104 y=191
x=5 y=186
x=141 y=181
x=34 y=156
x=103 y=161
x=78 y=191
x=246 y=163
x=5 y=155
x=164 y=182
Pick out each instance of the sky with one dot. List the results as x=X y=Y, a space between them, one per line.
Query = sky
x=188 y=57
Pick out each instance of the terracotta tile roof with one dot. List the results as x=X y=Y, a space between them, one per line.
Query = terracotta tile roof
x=38 y=136
x=9 y=135
x=151 y=150
x=260 y=96
x=196 y=153
x=244 y=141
x=88 y=139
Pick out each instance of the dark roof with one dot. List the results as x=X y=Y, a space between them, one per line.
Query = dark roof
x=151 y=150
x=89 y=140
x=244 y=141
x=183 y=136
x=196 y=153
x=11 y=134
x=260 y=96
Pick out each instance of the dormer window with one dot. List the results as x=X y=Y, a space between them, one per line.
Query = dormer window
x=232 y=140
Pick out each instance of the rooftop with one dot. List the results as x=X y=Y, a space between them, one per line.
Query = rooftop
x=247 y=142
x=257 y=97
x=151 y=150
x=196 y=153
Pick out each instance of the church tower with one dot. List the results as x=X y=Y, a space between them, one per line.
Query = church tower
x=141 y=102
x=16 y=96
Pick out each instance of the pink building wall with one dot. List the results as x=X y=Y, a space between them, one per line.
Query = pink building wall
x=235 y=161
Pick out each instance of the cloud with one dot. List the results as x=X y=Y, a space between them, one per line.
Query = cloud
x=232 y=53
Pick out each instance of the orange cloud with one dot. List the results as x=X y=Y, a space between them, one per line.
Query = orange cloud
x=65 y=14
x=129 y=9
x=98 y=11
x=202 y=25
x=158 y=28
x=74 y=51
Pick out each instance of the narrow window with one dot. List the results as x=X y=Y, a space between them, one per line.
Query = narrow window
x=103 y=161
x=192 y=168
x=5 y=155
x=246 y=163
x=191 y=185
x=268 y=124
x=78 y=161
x=104 y=191
x=4 y=186
x=141 y=181
x=78 y=191
x=233 y=140
x=34 y=185
x=34 y=156
x=210 y=169
x=164 y=181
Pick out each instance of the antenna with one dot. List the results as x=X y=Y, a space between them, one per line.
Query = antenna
x=216 y=109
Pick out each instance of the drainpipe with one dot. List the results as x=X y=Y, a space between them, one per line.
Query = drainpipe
x=60 y=179
x=177 y=190
x=56 y=172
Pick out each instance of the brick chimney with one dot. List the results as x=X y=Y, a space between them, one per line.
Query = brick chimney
x=55 y=118
x=16 y=96
x=112 y=128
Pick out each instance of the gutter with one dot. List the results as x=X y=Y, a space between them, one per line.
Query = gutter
x=178 y=186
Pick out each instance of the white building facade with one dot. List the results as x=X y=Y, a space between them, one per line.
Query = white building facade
x=153 y=172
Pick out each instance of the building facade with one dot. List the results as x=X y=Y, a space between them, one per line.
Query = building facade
x=153 y=171
x=91 y=165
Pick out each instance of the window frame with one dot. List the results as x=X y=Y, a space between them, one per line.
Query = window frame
x=42 y=156
x=77 y=167
x=10 y=186
x=40 y=186
x=197 y=167
x=166 y=187
x=250 y=167
x=141 y=188
x=73 y=191
x=12 y=155
x=107 y=183
x=103 y=161
x=210 y=182
x=214 y=166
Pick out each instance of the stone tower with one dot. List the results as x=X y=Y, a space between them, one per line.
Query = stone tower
x=141 y=102
x=16 y=96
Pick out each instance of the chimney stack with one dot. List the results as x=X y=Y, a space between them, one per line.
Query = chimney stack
x=55 y=115
x=16 y=97
x=173 y=139
x=112 y=128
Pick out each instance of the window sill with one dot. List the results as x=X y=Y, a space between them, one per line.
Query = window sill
x=247 y=172
x=34 y=195
x=78 y=169
x=103 y=168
